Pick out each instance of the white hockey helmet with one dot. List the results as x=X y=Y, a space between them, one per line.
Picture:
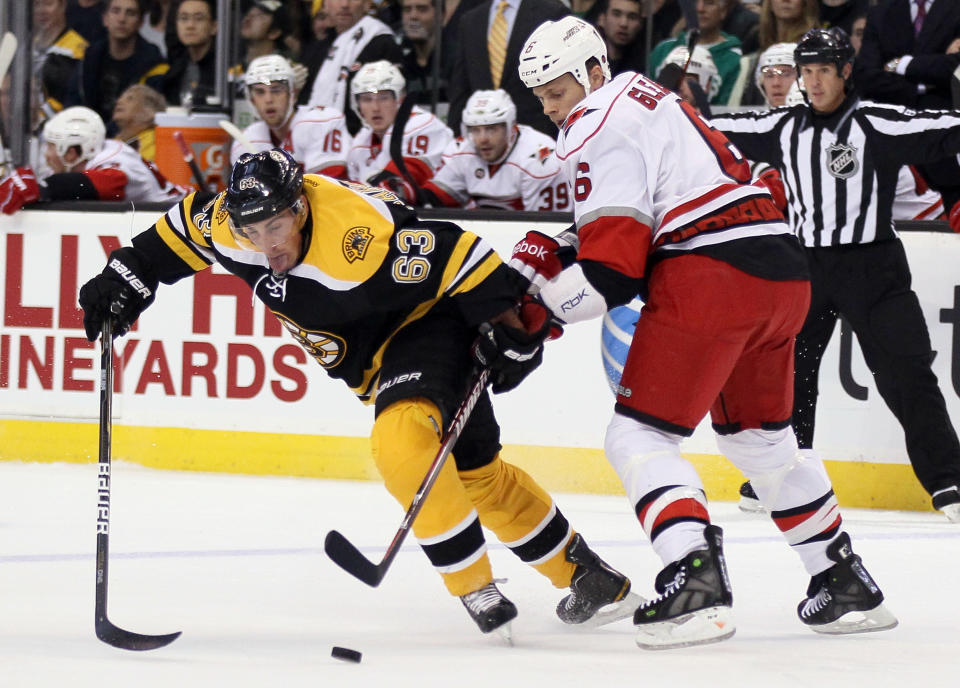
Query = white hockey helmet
x=778 y=54
x=76 y=126
x=268 y=69
x=701 y=66
x=489 y=107
x=559 y=47
x=374 y=77
x=795 y=95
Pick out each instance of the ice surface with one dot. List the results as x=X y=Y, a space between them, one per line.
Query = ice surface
x=236 y=563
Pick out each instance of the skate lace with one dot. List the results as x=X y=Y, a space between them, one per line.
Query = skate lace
x=671 y=588
x=816 y=603
x=485 y=598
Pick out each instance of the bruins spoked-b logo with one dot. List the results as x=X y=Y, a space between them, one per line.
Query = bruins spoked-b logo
x=327 y=348
x=355 y=243
x=842 y=160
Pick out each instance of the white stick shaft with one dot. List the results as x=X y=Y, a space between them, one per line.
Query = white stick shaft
x=8 y=48
x=237 y=135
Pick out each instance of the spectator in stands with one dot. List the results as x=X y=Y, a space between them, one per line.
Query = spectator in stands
x=86 y=166
x=619 y=23
x=419 y=22
x=262 y=29
x=377 y=93
x=360 y=39
x=907 y=56
x=122 y=59
x=86 y=18
x=668 y=21
x=192 y=74
x=785 y=21
x=842 y=13
x=154 y=26
x=133 y=119
x=57 y=51
x=856 y=32
x=498 y=163
x=744 y=23
x=315 y=136
x=724 y=48
x=491 y=36
x=315 y=50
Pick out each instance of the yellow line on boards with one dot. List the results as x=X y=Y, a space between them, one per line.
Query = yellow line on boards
x=561 y=469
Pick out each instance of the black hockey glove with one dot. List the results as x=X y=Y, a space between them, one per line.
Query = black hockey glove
x=510 y=353
x=122 y=291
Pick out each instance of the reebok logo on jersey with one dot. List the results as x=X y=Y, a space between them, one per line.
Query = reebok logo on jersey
x=130 y=278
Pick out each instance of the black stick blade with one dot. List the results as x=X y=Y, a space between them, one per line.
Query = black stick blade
x=127 y=640
x=349 y=558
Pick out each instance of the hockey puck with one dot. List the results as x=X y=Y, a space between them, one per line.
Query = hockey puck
x=346 y=654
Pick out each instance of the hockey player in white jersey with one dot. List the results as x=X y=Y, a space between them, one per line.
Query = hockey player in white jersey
x=498 y=163
x=376 y=95
x=86 y=167
x=664 y=208
x=316 y=136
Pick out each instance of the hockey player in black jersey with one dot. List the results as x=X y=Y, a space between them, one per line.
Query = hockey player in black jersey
x=840 y=158
x=390 y=305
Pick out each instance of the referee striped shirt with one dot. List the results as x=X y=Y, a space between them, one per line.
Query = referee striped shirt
x=840 y=170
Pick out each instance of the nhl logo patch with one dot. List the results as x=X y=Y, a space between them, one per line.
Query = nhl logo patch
x=478 y=173
x=842 y=160
x=355 y=243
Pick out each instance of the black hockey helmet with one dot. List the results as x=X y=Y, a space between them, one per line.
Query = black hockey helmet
x=262 y=185
x=830 y=46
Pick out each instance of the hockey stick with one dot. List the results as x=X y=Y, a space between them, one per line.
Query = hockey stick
x=348 y=557
x=692 y=39
x=106 y=631
x=191 y=161
x=396 y=143
x=235 y=133
x=8 y=49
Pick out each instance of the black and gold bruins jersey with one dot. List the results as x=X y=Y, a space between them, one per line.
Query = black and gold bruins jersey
x=369 y=267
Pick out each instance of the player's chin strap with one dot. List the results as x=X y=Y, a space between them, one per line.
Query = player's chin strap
x=571 y=297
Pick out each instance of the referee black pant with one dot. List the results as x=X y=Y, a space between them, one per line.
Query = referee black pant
x=869 y=285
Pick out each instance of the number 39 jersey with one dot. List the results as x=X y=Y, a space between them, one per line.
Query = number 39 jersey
x=528 y=179
x=652 y=179
x=370 y=267
x=424 y=139
x=318 y=139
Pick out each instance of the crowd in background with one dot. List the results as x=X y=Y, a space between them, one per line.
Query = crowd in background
x=129 y=59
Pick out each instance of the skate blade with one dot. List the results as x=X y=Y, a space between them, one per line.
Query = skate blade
x=505 y=632
x=751 y=506
x=877 y=619
x=952 y=512
x=710 y=625
x=614 y=611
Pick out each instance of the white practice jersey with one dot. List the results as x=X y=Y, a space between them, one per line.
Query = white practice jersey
x=650 y=175
x=330 y=85
x=424 y=139
x=318 y=139
x=528 y=179
x=914 y=200
x=120 y=174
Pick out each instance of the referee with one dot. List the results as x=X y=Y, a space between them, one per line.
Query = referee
x=840 y=158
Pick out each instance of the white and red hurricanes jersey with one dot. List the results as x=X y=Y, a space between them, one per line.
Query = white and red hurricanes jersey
x=318 y=139
x=915 y=200
x=120 y=174
x=648 y=174
x=528 y=179
x=424 y=139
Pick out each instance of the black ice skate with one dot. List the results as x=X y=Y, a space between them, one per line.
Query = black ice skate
x=948 y=501
x=844 y=598
x=491 y=610
x=695 y=601
x=599 y=594
x=749 y=502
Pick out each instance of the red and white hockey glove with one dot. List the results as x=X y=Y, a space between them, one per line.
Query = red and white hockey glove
x=534 y=314
x=770 y=177
x=18 y=189
x=955 y=217
x=536 y=259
